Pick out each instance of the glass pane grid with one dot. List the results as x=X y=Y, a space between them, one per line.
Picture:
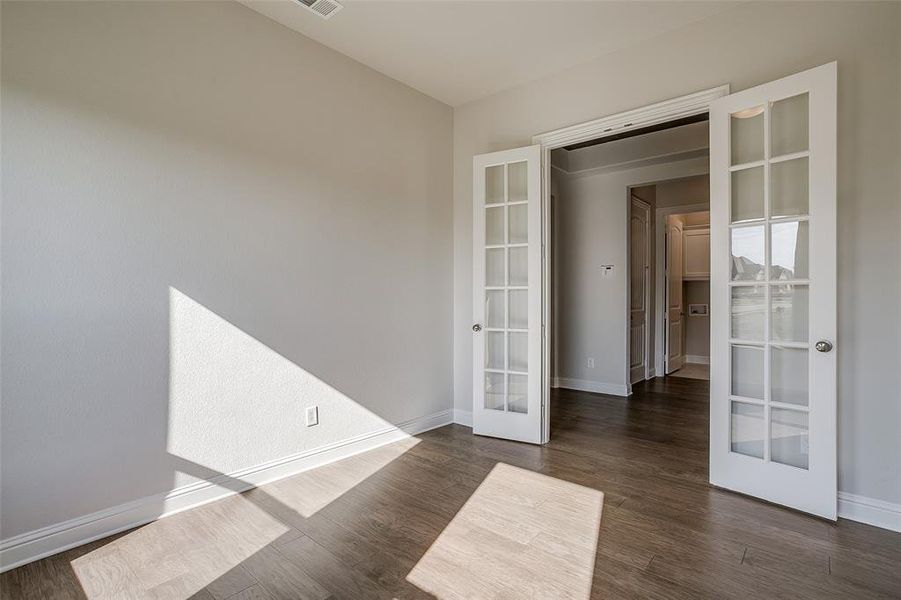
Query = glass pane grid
x=746 y=166
x=789 y=406
x=506 y=238
x=506 y=290
x=786 y=157
x=769 y=252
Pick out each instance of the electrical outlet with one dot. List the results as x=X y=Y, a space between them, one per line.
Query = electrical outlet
x=312 y=416
x=590 y=363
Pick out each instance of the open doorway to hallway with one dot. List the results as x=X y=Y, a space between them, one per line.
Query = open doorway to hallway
x=618 y=279
x=675 y=215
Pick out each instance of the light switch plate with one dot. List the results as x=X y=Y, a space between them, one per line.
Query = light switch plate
x=312 y=416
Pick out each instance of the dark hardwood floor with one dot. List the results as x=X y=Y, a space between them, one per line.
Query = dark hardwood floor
x=452 y=515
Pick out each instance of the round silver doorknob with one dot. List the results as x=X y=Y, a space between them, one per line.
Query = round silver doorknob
x=823 y=346
x=477 y=328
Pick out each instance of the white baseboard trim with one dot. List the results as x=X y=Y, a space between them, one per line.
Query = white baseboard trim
x=697 y=360
x=585 y=385
x=463 y=417
x=871 y=511
x=40 y=543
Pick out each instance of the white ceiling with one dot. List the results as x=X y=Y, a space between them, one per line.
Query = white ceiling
x=462 y=50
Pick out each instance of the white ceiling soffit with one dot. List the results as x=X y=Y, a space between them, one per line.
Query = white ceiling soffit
x=459 y=51
x=668 y=145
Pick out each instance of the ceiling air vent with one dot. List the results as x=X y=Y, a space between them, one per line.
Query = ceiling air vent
x=324 y=8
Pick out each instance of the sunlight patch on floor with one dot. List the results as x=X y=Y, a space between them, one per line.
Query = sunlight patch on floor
x=311 y=491
x=177 y=556
x=515 y=524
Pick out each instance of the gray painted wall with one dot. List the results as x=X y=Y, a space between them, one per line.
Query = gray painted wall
x=209 y=222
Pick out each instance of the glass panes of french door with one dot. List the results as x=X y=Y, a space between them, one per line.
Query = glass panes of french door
x=769 y=282
x=506 y=287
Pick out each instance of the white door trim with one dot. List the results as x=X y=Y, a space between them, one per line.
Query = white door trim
x=652 y=114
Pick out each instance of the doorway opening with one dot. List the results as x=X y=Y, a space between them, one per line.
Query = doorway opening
x=619 y=278
x=686 y=291
x=615 y=382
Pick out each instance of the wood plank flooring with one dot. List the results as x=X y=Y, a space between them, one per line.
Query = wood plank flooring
x=616 y=506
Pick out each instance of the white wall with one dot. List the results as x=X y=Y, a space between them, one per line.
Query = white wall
x=748 y=45
x=592 y=231
x=209 y=222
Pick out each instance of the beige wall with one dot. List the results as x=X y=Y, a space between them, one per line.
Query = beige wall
x=209 y=222
x=748 y=45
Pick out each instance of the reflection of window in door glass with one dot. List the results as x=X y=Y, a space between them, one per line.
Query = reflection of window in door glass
x=788 y=250
x=748 y=253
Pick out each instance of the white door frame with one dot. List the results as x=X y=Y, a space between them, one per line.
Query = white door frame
x=660 y=289
x=653 y=114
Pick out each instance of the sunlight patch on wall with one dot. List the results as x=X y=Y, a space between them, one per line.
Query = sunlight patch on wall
x=517 y=523
x=234 y=402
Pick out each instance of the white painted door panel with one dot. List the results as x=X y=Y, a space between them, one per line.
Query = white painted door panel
x=675 y=356
x=639 y=219
x=696 y=254
x=773 y=291
x=507 y=285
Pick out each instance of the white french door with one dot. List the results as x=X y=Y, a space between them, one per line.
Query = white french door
x=773 y=291
x=507 y=284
